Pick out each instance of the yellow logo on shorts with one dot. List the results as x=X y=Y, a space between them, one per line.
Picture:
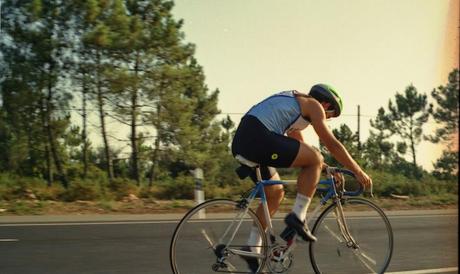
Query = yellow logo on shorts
x=274 y=156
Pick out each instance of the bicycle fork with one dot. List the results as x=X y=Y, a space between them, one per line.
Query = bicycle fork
x=342 y=224
x=350 y=241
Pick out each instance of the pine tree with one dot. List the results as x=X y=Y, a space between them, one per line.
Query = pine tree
x=228 y=124
x=446 y=115
x=96 y=42
x=446 y=167
x=406 y=118
x=447 y=109
x=378 y=150
x=36 y=31
x=348 y=139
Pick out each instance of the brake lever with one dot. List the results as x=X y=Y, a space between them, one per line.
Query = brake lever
x=330 y=173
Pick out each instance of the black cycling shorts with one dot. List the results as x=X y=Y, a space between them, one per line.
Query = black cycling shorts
x=256 y=143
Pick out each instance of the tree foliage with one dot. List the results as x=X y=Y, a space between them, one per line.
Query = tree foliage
x=127 y=60
x=446 y=111
x=34 y=94
x=446 y=115
x=125 y=65
x=379 y=151
x=348 y=139
x=405 y=118
x=446 y=167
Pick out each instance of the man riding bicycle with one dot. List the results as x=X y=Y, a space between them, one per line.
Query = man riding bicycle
x=270 y=134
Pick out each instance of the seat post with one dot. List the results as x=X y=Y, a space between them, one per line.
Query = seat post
x=258 y=174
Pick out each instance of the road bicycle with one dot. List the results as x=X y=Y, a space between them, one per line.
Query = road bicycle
x=354 y=234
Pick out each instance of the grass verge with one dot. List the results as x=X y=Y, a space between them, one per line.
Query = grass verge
x=150 y=206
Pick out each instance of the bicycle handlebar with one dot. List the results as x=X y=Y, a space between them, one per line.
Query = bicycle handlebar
x=358 y=192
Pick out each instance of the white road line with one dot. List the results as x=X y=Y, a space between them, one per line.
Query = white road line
x=177 y=221
x=426 y=271
x=88 y=223
x=9 y=240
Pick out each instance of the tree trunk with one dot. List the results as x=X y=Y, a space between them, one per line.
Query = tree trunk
x=100 y=101
x=134 y=113
x=153 y=168
x=49 y=170
x=412 y=147
x=84 y=135
x=52 y=139
x=156 y=149
x=414 y=160
x=134 y=145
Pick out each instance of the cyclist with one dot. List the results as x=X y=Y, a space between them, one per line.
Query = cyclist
x=270 y=134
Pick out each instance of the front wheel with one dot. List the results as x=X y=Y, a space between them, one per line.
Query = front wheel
x=369 y=248
x=207 y=236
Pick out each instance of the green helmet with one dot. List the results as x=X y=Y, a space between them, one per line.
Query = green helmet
x=326 y=93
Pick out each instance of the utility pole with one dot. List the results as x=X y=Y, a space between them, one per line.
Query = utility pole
x=359 y=127
x=199 y=193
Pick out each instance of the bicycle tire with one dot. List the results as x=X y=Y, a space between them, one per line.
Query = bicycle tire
x=193 y=251
x=330 y=253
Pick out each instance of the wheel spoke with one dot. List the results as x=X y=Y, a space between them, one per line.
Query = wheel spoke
x=200 y=246
x=349 y=240
x=361 y=253
x=333 y=234
x=361 y=257
x=206 y=236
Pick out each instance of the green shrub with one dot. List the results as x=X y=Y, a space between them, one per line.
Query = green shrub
x=178 y=188
x=123 y=187
x=5 y=193
x=148 y=192
x=387 y=183
x=6 y=179
x=81 y=190
x=106 y=205
x=97 y=175
x=234 y=191
x=212 y=191
x=45 y=193
x=20 y=207
x=14 y=187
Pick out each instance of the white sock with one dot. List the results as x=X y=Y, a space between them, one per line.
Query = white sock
x=255 y=240
x=301 y=206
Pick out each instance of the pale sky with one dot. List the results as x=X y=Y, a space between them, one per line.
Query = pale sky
x=367 y=49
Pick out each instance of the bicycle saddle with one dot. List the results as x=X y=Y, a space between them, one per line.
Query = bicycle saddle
x=246 y=167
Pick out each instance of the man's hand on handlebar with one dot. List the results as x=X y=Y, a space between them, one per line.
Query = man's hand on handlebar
x=363 y=179
x=338 y=176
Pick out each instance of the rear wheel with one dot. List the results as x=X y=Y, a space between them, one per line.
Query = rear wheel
x=200 y=244
x=371 y=246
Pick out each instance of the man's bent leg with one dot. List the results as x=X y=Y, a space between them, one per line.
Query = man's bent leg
x=311 y=161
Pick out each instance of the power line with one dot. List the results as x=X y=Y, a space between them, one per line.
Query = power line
x=222 y=113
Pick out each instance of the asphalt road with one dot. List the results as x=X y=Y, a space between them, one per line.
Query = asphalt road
x=423 y=240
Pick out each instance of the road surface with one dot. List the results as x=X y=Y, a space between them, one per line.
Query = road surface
x=424 y=241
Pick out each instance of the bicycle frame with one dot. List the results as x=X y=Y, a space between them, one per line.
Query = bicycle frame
x=224 y=232
x=257 y=191
x=328 y=193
